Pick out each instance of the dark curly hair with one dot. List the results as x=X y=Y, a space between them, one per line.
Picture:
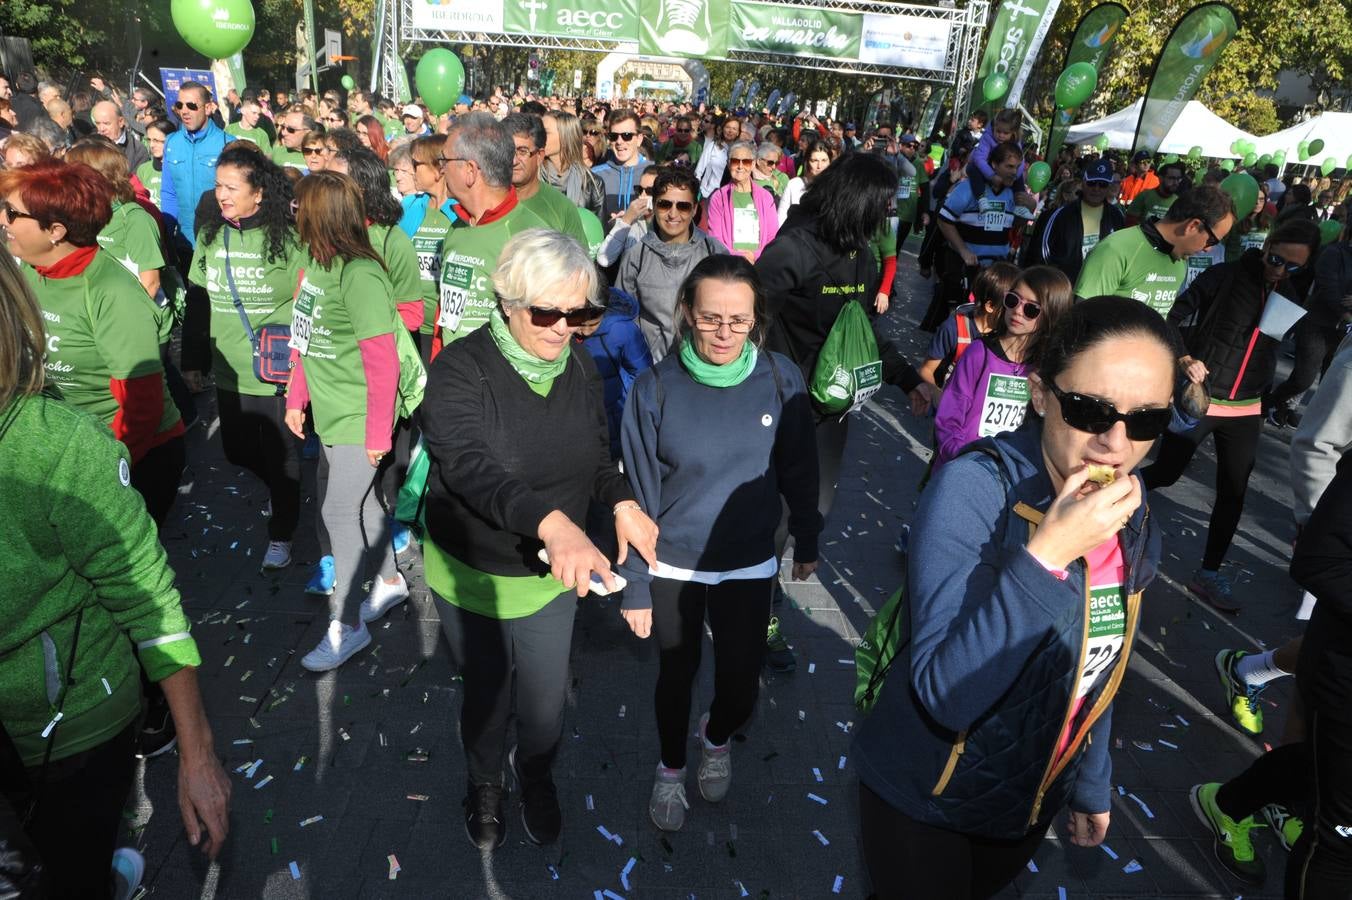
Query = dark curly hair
x=264 y=175
x=374 y=180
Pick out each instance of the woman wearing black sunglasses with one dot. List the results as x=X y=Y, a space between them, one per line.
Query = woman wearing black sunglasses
x=1028 y=559
x=515 y=426
x=1229 y=352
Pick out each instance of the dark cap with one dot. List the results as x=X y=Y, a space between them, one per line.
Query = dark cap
x=1100 y=170
x=1141 y=156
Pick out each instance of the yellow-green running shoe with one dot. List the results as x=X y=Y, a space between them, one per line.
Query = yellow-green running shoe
x=1232 y=845
x=778 y=655
x=1240 y=696
x=1287 y=826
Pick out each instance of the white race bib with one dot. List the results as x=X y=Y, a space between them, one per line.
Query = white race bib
x=993 y=215
x=429 y=264
x=455 y=282
x=905 y=188
x=1005 y=405
x=1089 y=243
x=1107 y=634
x=745 y=226
x=302 y=322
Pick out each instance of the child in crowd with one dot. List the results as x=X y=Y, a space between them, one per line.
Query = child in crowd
x=969 y=323
x=1005 y=128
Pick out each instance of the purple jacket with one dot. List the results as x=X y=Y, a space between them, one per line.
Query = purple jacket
x=981 y=155
x=963 y=408
x=720 y=215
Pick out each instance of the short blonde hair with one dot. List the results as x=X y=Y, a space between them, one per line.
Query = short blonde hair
x=537 y=263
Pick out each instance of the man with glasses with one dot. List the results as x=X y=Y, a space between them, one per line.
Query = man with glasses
x=1063 y=236
x=295 y=124
x=1148 y=262
x=912 y=197
x=682 y=139
x=190 y=160
x=546 y=201
x=1152 y=203
x=109 y=122
x=246 y=126
x=476 y=163
x=623 y=163
x=1140 y=178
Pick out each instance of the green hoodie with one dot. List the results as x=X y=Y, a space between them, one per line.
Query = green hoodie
x=77 y=536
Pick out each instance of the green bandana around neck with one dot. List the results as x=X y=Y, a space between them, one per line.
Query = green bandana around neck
x=528 y=366
x=710 y=375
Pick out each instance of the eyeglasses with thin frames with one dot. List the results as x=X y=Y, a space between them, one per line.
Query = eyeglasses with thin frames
x=712 y=324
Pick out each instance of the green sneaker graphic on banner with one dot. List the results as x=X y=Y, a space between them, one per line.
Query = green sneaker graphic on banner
x=684 y=27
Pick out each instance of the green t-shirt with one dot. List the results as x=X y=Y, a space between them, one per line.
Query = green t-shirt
x=908 y=193
x=669 y=149
x=777 y=184
x=883 y=245
x=1150 y=206
x=427 y=243
x=266 y=288
x=745 y=222
x=285 y=158
x=1124 y=264
x=401 y=262
x=557 y=211
x=152 y=178
x=469 y=258
x=100 y=326
x=337 y=307
x=491 y=596
x=133 y=238
x=255 y=135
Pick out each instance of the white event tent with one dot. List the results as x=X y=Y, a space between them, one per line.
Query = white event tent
x=1196 y=126
x=1333 y=128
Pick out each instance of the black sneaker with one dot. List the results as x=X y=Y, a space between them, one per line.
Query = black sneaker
x=157 y=733
x=540 y=814
x=484 y=821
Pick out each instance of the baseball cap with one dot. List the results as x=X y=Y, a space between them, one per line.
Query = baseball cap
x=1143 y=155
x=849 y=126
x=908 y=138
x=1099 y=170
x=411 y=110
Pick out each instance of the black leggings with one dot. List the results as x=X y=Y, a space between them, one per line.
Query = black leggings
x=255 y=437
x=738 y=613
x=903 y=232
x=157 y=475
x=912 y=860
x=1236 y=449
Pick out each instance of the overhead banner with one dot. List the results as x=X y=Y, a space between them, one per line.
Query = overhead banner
x=1016 y=36
x=1190 y=53
x=1091 y=43
x=914 y=42
x=459 y=15
x=795 y=31
x=617 y=21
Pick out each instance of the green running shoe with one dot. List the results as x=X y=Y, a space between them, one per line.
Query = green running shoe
x=1232 y=845
x=778 y=656
x=1240 y=696
x=1287 y=826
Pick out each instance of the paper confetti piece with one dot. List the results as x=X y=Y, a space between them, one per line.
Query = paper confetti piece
x=295 y=871
x=253 y=767
x=741 y=888
x=106 y=687
x=300 y=764
x=263 y=782
x=838 y=884
x=1060 y=893
x=311 y=820
x=394 y=866
x=1141 y=803
x=242 y=742
x=274 y=846
x=1132 y=867
x=1164 y=743
x=553 y=872
x=1143 y=745
x=1184 y=722
x=821 y=837
x=591 y=804
x=624 y=873
x=817 y=774
x=802 y=716
x=1032 y=867
x=814 y=797
x=419 y=797
x=622 y=710
x=1108 y=850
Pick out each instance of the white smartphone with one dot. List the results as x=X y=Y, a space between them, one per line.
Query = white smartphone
x=597 y=586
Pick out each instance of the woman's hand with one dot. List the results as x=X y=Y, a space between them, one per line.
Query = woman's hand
x=1082 y=517
x=375 y=456
x=634 y=528
x=295 y=420
x=204 y=801
x=572 y=555
x=803 y=571
x=1196 y=369
x=923 y=396
x=1087 y=829
x=881 y=302
x=640 y=621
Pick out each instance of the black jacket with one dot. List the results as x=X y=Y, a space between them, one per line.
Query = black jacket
x=808 y=283
x=1058 y=237
x=1331 y=295
x=504 y=457
x=1322 y=565
x=1228 y=301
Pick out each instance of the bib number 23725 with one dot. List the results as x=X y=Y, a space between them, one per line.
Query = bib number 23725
x=1005 y=406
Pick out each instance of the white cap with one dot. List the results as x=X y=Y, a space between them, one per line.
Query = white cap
x=413 y=110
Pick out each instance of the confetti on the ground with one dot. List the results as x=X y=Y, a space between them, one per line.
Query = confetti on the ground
x=821 y=837
x=838 y=885
x=741 y=889
x=622 y=710
x=1143 y=745
x=1060 y=893
x=419 y=797
x=311 y=820
x=1108 y=850
x=811 y=668
x=1165 y=743
x=106 y=686
x=252 y=768
x=817 y=774
x=1182 y=721
x=394 y=866
x=845 y=726
x=1141 y=803
x=295 y=871
x=300 y=764
x=1032 y=867
x=802 y=716
x=242 y=742
x=591 y=804
x=553 y=872
x=244 y=699
x=624 y=873
x=1132 y=867
x=262 y=782
x=274 y=846
x=613 y=838
x=814 y=797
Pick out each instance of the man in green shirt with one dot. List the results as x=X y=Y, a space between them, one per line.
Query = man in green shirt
x=1148 y=262
x=682 y=139
x=1151 y=205
x=246 y=129
x=477 y=166
x=292 y=127
x=546 y=201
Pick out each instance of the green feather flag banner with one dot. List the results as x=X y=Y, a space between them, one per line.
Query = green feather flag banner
x=1190 y=53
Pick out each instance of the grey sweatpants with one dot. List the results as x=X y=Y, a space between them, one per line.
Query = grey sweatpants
x=356 y=526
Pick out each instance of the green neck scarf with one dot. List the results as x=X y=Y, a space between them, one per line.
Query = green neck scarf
x=710 y=375
x=532 y=368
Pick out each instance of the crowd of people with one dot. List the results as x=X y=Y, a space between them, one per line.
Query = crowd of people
x=634 y=409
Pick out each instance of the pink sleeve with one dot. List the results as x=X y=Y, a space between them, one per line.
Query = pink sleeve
x=380 y=364
x=411 y=314
x=297 y=391
x=720 y=220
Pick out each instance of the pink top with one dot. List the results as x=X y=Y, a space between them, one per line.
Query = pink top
x=380 y=364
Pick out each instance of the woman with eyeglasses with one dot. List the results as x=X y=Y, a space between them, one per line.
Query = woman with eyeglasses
x=315 y=152
x=816 y=158
x=653 y=268
x=347 y=370
x=515 y=427
x=151 y=172
x=427 y=218
x=566 y=167
x=594 y=146
x=988 y=392
x=1229 y=352
x=766 y=172
x=1023 y=595
x=742 y=214
x=333 y=117
x=720 y=397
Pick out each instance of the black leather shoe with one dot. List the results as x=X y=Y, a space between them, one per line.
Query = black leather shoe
x=484 y=821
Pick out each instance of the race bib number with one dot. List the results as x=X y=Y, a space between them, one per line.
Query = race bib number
x=429 y=264
x=993 y=215
x=1005 y=405
x=1253 y=240
x=302 y=321
x=868 y=379
x=745 y=226
x=1089 y=243
x=906 y=187
x=1196 y=266
x=1107 y=634
x=455 y=281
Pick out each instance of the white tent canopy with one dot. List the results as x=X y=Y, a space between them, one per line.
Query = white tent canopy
x=1333 y=128
x=1197 y=126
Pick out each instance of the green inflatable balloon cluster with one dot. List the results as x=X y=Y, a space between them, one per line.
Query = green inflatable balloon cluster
x=439 y=78
x=1243 y=191
x=347 y=82
x=1328 y=165
x=1329 y=231
x=1101 y=143
x=214 y=28
x=1076 y=85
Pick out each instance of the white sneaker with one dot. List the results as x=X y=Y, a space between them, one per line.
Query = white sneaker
x=129 y=868
x=668 y=804
x=278 y=555
x=383 y=597
x=336 y=647
x=715 y=766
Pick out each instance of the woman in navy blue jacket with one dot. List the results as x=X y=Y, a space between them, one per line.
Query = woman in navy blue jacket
x=1028 y=558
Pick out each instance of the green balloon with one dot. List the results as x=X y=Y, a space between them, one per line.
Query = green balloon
x=1037 y=176
x=439 y=77
x=1303 y=151
x=1101 y=143
x=1279 y=158
x=591 y=227
x=214 y=28
x=1237 y=147
x=1316 y=145
x=1076 y=85
x=1195 y=151
x=1169 y=159
x=1348 y=165
x=995 y=86
x=1329 y=230
x=1265 y=159
x=1227 y=164
x=1243 y=191
x=1328 y=165
x=1249 y=159
x=347 y=82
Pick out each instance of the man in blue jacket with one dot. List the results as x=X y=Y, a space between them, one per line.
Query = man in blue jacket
x=190 y=158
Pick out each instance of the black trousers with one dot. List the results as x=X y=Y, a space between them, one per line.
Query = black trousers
x=903 y=232
x=157 y=475
x=738 y=612
x=255 y=437
x=909 y=860
x=78 y=815
x=1236 y=450
x=1315 y=346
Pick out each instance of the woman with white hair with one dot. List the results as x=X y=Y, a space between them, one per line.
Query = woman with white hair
x=515 y=427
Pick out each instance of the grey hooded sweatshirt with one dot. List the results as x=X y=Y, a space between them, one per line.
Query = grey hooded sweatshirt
x=652 y=270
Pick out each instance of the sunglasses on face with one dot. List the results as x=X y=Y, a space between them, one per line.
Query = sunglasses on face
x=1094 y=416
x=12 y=215
x=545 y=317
x=681 y=206
x=1277 y=261
x=591 y=132
x=187 y=104
x=290 y=130
x=645 y=191
x=310 y=151
x=625 y=136
x=682 y=130
x=1031 y=310
x=1211 y=239
x=740 y=161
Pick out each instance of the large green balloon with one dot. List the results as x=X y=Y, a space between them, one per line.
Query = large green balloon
x=995 y=86
x=1237 y=147
x=1265 y=159
x=1243 y=191
x=1279 y=158
x=1329 y=231
x=1249 y=159
x=1303 y=151
x=1037 y=176
x=1076 y=85
x=1195 y=151
x=1348 y=164
x=1101 y=143
x=591 y=227
x=439 y=77
x=1227 y=164
x=1169 y=159
x=214 y=28
x=1328 y=165
x=1316 y=145
x=347 y=82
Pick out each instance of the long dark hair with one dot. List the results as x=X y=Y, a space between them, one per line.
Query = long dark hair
x=1054 y=294
x=1089 y=323
x=850 y=200
x=331 y=219
x=726 y=267
x=264 y=175
x=373 y=178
